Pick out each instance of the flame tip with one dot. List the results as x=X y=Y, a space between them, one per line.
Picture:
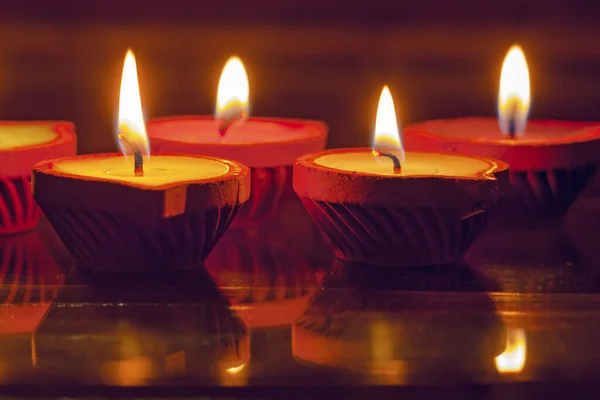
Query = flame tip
x=514 y=93
x=233 y=90
x=131 y=134
x=387 y=131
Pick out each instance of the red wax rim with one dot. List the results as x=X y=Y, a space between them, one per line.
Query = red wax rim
x=129 y=228
x=369 y=218
x=18 y=211
x=580 y=148
x=18 y=162
x=323 y=183
x=256 y=154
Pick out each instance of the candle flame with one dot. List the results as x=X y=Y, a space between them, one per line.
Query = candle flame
x=513 y=359
x=132 y=129
x=514 y=95
x=387 y=134
x=233 y=91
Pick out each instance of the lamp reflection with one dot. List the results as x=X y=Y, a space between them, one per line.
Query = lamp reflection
x=137 y=330
x=29 y=281
x=267 y=279
x=401 y=325
x=512 y=360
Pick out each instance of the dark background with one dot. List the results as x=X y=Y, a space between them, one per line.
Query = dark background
x=318 y=59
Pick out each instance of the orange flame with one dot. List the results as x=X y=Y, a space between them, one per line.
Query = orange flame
x=387 y=134
x=132 y=129
x=514 y=96
x=234 y=90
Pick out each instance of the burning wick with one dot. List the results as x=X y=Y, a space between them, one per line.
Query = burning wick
x=238 y=114
x=395 y=160
x=138 y=159
x=513 y=113
x=512 y=122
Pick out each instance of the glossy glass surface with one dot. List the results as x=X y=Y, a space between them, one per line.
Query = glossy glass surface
x=274 y=308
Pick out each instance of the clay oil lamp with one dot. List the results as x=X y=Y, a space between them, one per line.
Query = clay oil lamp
x=137 y=213
x=268 y=146
x=381 y=206
x=550 y=161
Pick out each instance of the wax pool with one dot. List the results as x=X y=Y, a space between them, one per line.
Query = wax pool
x=158 y=170
x=15 y=137
x=416 y=164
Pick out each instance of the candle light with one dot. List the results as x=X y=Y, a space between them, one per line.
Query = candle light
x=550 y=161
x=268 y=146
x=139 y=213
x=382 y=206
x=22 y=144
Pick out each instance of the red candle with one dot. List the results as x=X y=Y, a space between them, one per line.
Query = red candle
x=139 y=213
x=550 y=161
x=268 y=146
x=22 y=144
x=381 y=206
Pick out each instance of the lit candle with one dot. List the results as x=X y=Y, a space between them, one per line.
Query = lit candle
x=139 y=213
x=383 y=206
x=268 y=146
x=22 y=144
x=550 y=161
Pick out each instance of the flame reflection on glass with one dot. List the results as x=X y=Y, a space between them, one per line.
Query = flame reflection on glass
x=514 y=95
x=235 y=370
x=513 y=359
x=387 y=137
x=132 y=129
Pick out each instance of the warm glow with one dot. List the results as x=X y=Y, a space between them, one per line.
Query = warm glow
x=387 y=135
x=513 y=358
x=131 y=118
x=514 y=95
x=235 y=370
x=233 y=91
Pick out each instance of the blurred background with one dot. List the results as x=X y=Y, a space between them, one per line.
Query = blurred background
x=319 y=59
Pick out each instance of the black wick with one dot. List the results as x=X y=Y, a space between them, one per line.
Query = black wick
x=395 y=160
x=138 y=159
x=230 y=119
x=512 y=119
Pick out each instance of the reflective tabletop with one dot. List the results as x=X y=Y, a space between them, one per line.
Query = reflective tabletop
x=274 y=309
